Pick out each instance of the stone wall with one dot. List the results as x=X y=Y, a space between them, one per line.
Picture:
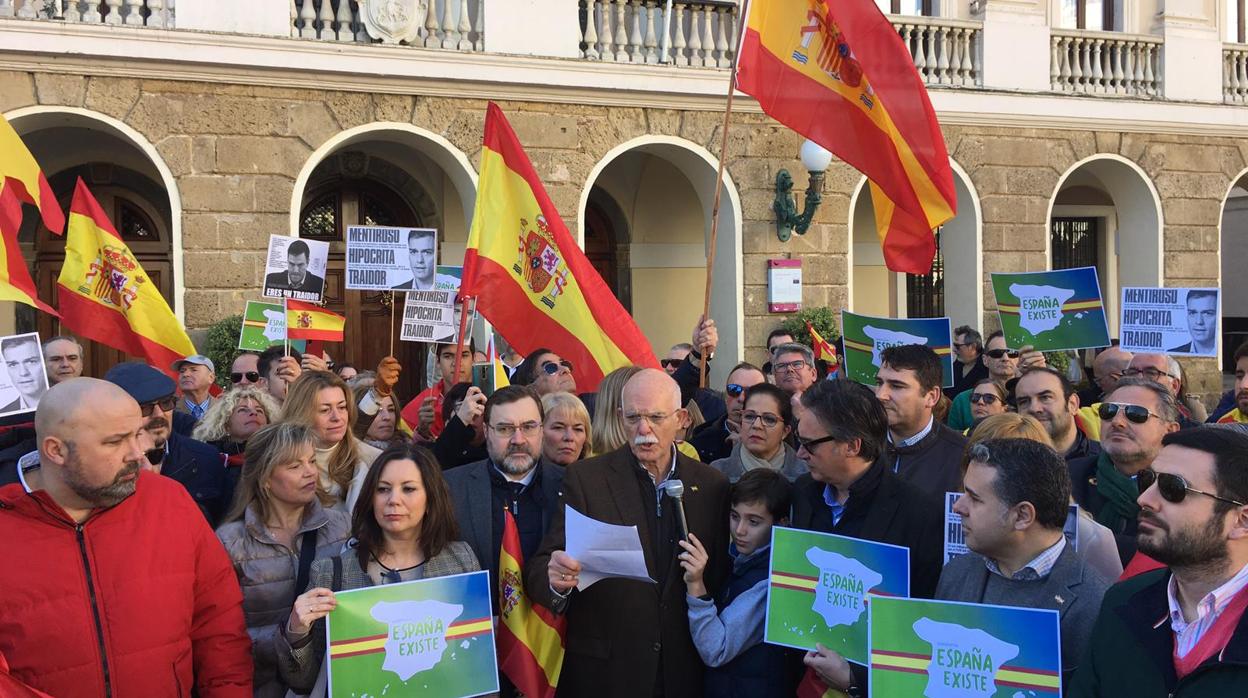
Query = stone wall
x=235 y=151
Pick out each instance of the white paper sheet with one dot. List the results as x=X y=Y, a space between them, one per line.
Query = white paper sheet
x=603 y=549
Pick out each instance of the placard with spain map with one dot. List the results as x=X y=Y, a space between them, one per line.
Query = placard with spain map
x=866 y=336
x=1051 y=310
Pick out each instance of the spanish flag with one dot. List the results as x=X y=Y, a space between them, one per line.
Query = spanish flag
x=839 y=74
x=20 y=173
x=531 y=280
x=530 y=638
x=311 y=321
x=823 y=348
x=500 y=373
x=105 y=295
x=15 y=282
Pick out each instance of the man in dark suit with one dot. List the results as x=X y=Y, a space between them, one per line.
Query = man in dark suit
x=25 y=366
x=422 y=253
x=199 y=467
x=296 y=282
x=514 y=479
x=627 y=638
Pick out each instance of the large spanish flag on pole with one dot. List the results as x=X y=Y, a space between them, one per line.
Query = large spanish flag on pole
x=531 y=280
x=530 y=638
x=839 y=74
x=105 y=295
x=20 y=173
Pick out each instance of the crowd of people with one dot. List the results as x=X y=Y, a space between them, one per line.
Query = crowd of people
x=318 y=478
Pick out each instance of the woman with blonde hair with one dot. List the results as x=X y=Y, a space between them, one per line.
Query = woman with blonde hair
x=567 y=431
x=321 y=400
x=232 y=419
x=1094 y=542
x=608 y=427
x=276 y=528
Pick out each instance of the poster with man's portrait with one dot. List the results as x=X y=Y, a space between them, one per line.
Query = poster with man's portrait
x=24 y=379
x=422 y=272
x=295 y=268
x=1177 y=321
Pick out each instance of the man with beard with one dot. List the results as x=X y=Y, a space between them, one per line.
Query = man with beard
x=714 y=440
x=1047 y=395
x=1135 y=417
x=629 y=638
x=195 y=464
x=116 y=585
x=513 y=486
x=1004 y=364
x=1240 y=413
x=1182 y=630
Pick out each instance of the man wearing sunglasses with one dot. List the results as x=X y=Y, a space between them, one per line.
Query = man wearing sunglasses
x=711 y=404
x=1004 y=364
x=714 y=439
x=852 y=491
x=1134 y=418
x=1183 y=630
x=195 y=464
x=968 y=364
x=245 y=371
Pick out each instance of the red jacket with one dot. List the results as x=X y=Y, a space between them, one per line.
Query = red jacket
x=138 y=600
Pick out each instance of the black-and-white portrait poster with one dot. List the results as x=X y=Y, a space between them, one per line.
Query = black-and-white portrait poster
x=1179 y=321
x=295 y=268
x=24 y=379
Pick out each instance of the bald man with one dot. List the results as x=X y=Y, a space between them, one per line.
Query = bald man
x=632 y=639
x=1107 y=369
x=159 y=589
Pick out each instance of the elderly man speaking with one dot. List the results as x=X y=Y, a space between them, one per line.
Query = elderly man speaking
x=628 y=638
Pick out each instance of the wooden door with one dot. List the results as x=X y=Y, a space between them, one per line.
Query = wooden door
x=370 y=321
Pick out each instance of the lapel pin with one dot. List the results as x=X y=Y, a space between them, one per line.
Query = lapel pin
x=1059 y=599
x=693 y=488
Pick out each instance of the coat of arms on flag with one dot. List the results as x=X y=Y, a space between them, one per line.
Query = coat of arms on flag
x=109 y=277
x=539 y=261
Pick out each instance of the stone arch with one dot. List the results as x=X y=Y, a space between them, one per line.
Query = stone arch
x=961 y=248
x=1115 y=195
x=684 y=164
x=28 y=121
x=1232 y=260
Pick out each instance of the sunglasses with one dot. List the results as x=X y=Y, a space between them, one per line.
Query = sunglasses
x=734 y=390
x=986 y=398
x=166 y=405
x=998 y=353
x=1136 y=414
x=670 y=363
x=251 y=376
x=551 y=368
x=1173 y=488
x=809 y=444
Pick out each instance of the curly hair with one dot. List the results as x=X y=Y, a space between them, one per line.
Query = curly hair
x=300 y=407
x=216 y=421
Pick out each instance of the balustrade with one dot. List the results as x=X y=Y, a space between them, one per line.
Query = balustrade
x=1106 y=63
x=1235 y=73
x=442 y=24
x=701 y=33
x=134 y=13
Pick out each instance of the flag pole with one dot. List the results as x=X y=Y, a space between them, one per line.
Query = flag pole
x=719 y=179
x=459 y=345
x=286 y=315
x=394 y=301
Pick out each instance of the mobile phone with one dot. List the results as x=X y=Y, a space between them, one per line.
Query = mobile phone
x=483 y=378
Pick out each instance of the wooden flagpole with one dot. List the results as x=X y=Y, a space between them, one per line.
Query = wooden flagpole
x=459 y=345
x=394 y=301
x=719 y=182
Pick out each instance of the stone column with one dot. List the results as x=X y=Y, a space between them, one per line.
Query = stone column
x=1015 y=44
x=1192 y=55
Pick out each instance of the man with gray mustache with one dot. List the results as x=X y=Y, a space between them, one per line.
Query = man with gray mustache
x=630 y=638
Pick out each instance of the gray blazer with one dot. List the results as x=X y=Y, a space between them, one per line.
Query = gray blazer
x=1073 y=589
x=303 y=667
x=733 y=468
x=474 y=505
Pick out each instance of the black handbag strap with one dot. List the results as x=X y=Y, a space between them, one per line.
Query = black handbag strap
x=337 y=582
x=307 y=553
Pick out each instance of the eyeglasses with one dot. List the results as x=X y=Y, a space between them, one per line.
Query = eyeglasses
x=1174 y=488
x=986 y=398
x=251 y=376
x=734 y=390
x=789 y=366
x=655 y=419
x=769 y=420
x=998 y=353
x=809 y=444
x=166 y=405
x=669 y=363
x=551 y=368
x=1150 y=373
x=509 y=430
x=1136 y=414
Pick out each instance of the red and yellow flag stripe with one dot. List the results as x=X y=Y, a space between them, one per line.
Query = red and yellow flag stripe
x=370 y=644
x=1009 y=676
x=1070 y=306
x=15 y=282
x=530 y=279
x=312 y=322
x=530 y=638
x=20 y=173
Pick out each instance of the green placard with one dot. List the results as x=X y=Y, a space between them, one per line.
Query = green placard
x=264 y=324
x=1051 y=310
x=431 y=637
x=866 y=336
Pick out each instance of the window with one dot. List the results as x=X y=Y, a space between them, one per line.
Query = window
x=1088 y=14
x=907 y=7
x=925 y=293
x=1234 y=22
x=1074 y=242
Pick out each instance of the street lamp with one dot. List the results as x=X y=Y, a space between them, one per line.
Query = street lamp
x=816 y=160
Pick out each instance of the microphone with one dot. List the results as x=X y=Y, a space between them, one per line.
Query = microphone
x=676 y=490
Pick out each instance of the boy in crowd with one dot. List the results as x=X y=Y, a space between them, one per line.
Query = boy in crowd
x=728 y=629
